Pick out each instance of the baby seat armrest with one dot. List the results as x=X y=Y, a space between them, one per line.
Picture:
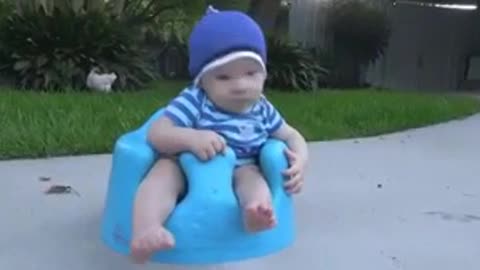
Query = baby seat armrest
x=273 y=162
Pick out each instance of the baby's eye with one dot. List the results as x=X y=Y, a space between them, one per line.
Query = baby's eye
x=251 y=73
x=223 y=77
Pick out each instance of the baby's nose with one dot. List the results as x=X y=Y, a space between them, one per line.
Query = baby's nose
x=242 y=84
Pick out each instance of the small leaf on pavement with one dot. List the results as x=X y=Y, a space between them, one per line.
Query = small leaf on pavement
x=61 y=189
x=44 y=178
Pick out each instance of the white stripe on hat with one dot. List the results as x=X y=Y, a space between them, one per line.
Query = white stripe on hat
x=229 y=58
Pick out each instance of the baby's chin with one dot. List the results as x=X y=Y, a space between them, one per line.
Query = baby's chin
x=246 y=99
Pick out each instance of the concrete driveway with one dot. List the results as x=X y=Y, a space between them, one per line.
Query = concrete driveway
x=409 y=200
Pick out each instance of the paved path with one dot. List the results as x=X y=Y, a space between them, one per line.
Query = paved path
x=409 y=200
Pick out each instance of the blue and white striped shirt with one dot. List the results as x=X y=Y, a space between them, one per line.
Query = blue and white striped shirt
x=245 y=133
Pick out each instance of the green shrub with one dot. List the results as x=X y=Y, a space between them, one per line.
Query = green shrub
x=290 y=66
x=56 y=48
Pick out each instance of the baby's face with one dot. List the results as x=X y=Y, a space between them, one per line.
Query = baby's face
x=236 y=85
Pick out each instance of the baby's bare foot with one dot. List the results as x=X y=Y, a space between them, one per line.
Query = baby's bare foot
x=259 y=217
x=144 y=245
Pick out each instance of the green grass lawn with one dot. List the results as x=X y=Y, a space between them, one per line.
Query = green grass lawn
x=48 y=124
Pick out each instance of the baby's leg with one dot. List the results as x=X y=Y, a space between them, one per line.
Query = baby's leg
x=254 y=197
x=155 y=199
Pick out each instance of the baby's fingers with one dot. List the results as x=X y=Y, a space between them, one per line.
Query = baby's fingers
x=202 y=155
x=207 y=153
x=292 y=182
x=292 y=156
x=296 y=189
x=294 y=185
x=219 y=146
x=293 y=170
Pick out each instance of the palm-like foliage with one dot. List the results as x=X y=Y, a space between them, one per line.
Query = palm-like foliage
x=292 y=67
x=52 y=44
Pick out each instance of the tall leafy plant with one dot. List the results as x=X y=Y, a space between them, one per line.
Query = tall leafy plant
x=362 y=28
x=361 y=33
x=292 y=67
x=53 y=44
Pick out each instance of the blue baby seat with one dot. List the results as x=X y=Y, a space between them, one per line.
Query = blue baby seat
x=207 y=223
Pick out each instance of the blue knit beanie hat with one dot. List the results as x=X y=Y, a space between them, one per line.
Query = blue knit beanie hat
x=223 y=36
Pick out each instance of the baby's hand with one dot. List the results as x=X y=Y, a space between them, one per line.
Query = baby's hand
x=206 y=144
x=295 y=172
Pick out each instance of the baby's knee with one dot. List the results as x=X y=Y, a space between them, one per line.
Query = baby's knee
x=168 y=163
x=247 y=171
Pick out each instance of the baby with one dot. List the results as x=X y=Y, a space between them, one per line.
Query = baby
x=224 y=106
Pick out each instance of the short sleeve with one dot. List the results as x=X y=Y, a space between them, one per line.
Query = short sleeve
x=184 y=109
x=273 y=118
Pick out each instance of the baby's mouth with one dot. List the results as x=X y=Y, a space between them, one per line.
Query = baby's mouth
x=239 y=92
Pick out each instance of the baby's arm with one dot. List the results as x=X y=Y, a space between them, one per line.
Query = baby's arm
x=295 y=141
x=278 y=128
x=167 y=138
x=173 y=132
x=297 y=154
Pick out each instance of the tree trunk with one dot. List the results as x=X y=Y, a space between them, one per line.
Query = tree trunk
x=265 y=12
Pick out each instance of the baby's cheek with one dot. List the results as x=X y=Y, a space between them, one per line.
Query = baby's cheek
x=256 y=82
x=260 y=78
x=216 y=84
x=241 y=82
